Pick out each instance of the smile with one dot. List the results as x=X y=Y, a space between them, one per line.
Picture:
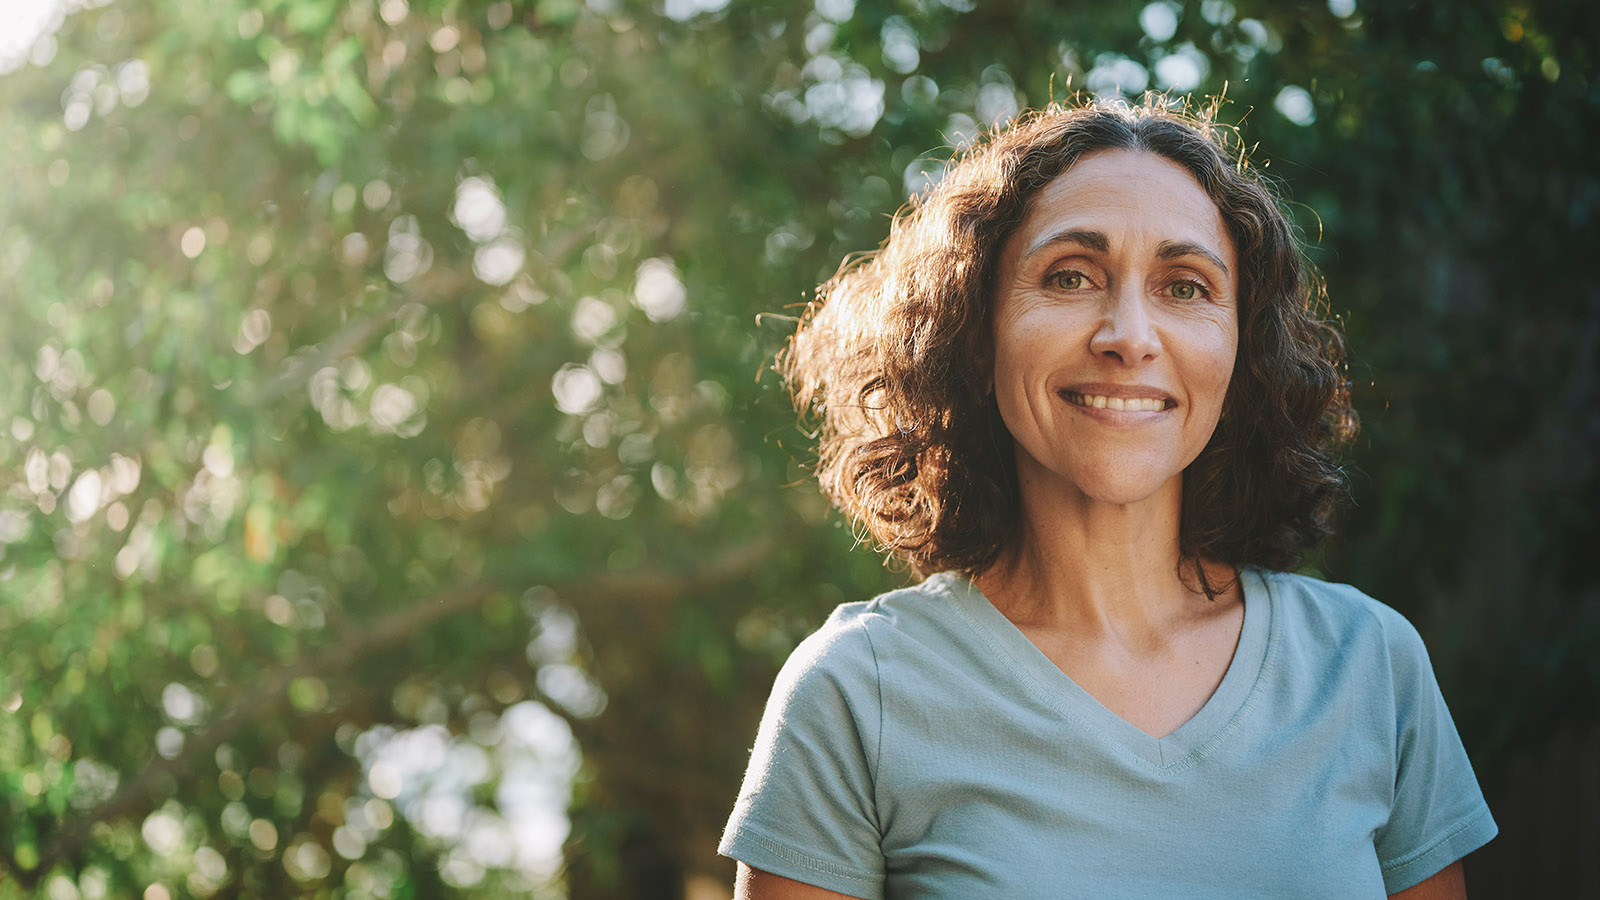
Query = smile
x=1128 y=404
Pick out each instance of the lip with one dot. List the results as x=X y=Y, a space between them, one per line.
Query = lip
x=1125 y=391
x=1120 y=392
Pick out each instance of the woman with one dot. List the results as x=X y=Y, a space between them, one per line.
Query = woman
x=1084 y=382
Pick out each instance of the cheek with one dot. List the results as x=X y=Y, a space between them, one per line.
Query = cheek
x=1227 y=361
x=1009 y=390
x=1009 y=352
x=1221 y=353
x=1208 y=364
x=1008 y=394
x=1221 y=365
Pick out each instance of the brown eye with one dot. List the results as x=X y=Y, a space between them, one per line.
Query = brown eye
x=1068 y=280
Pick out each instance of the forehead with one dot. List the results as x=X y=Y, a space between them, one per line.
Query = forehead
x=1128 y=195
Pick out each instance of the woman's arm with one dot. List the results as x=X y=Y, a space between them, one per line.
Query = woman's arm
x=1446 y=884
x=754 y=884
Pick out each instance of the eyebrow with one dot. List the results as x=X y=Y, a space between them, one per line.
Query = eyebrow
x=1098 y=242
x=1178 y=249
x=1093 y=240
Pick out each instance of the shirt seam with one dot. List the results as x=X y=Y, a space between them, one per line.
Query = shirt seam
x=1028 y=683
x=1269 y=656
x=1189 y=760
x=789 y=854
x=1252 y=694
x=877 y=754
x=1400 y=863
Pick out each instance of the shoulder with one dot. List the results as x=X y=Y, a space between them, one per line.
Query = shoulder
x=1331 y=616
x=841 y=656
x=852 y=635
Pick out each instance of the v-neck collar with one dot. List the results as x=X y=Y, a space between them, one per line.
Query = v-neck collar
x=1179 y=749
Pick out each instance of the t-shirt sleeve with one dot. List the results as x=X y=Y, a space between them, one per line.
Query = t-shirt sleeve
x=1438 y=814
x=807 y=809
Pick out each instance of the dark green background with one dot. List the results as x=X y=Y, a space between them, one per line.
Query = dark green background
x=281 y=477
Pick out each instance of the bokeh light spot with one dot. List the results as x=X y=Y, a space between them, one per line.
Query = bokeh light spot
x=1294 y=103
x=1160 y=20
x=658 y=291
x=193 y=242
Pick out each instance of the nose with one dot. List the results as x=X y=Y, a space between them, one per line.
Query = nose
x=1126 y=330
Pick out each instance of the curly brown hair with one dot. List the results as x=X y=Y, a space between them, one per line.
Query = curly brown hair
x=891 y=357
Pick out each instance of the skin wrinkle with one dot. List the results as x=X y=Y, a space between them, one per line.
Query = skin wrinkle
x=1092 y=580
x=1097 y=241
x=909 y=324
x=1093 y=240
x=1180 y=249
x=957 y=493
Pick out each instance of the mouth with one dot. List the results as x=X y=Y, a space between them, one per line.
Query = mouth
x=1126 y=404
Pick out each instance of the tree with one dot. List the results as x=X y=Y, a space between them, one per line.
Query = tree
x=389 y=416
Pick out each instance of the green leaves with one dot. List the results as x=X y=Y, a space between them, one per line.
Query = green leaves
x=380 y=368
x=309 y=17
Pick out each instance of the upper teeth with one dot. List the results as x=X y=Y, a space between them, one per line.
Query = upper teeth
x=1130 y=404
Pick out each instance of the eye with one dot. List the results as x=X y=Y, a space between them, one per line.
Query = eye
x=1187 y=290
x=1069 y=280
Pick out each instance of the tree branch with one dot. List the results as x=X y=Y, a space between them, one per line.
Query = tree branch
x=431 y=287
x=137 y=796
x=134 y=796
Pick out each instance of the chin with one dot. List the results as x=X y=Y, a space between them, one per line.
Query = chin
x=1122 y=494
x=1133 y=481
x=1122 y=488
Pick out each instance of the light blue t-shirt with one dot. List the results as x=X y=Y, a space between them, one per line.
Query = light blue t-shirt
x=920 y=746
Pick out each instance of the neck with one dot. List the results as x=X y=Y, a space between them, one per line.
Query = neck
x=1093 y=567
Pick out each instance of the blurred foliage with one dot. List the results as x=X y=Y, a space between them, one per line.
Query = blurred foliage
x=384 y=414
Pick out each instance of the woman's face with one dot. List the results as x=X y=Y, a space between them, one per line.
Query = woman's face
x=1115 y=328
